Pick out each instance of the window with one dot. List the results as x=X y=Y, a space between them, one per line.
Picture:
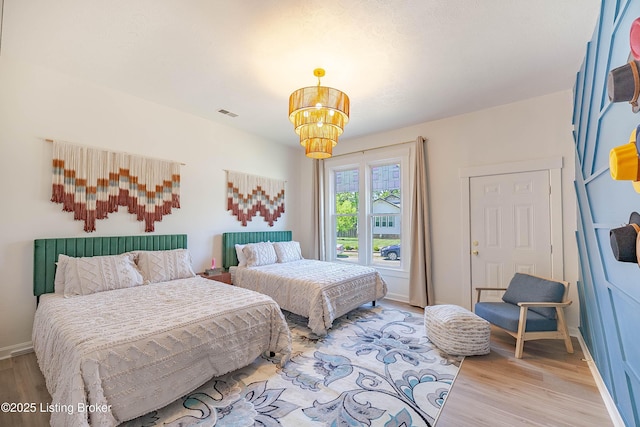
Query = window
x=346 y=201
x=367 y=208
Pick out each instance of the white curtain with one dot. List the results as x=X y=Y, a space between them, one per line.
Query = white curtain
x=420 y=285
x=318 y=209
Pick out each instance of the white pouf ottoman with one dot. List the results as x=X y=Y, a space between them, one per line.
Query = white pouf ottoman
x=457 y=331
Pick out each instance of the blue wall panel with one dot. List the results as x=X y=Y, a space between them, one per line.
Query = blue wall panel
x=577 y=98
x=587 y=114
x=611 y=133
x=609 y=291
x=591 y=327
x=601 y=187
x=594 y=86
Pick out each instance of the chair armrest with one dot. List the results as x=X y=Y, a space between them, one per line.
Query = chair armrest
x=545 y=304
x=479 y=290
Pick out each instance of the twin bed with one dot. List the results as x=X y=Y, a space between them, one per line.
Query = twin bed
x=321 y=291
x=125 y=327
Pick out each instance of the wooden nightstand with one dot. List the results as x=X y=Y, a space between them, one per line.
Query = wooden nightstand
x=224 y=277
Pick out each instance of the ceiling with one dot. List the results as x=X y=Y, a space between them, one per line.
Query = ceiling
x=402 y=62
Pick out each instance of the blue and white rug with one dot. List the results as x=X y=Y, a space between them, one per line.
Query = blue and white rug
x=374 y=368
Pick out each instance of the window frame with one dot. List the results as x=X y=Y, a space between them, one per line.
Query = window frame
x=364 y=161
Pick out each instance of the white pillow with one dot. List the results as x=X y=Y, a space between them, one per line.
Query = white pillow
x=88 y=275
x=260 y=254
x=162 y=266
x=58 y=280
x=287 y=251
x=242 y=260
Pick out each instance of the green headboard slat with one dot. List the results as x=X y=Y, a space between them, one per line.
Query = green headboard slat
x=46 y=251
x=229 y=240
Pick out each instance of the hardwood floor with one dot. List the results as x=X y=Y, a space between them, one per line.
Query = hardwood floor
x=547 y=387
x=22 y=382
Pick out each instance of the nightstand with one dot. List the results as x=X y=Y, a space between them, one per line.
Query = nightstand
x=224 y=277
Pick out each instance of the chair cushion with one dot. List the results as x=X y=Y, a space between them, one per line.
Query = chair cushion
x=507 y=315
x=527 y=288
x=457 y=331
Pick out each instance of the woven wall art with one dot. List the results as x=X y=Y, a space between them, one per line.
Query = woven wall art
x=249 y=195
x=93 y=183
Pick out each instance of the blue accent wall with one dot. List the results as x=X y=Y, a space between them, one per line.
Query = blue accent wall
x=609 y=291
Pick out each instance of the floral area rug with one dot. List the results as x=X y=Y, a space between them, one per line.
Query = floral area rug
x=374 y=368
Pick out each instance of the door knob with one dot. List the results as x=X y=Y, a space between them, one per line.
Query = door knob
x=475 y=252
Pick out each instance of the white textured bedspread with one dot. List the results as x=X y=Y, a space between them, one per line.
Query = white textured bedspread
x=319 y=290
x=131 y=351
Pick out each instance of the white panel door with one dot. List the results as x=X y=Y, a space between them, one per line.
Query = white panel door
x=510 y=228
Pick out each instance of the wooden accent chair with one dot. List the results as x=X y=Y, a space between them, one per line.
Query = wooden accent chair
x=532 y=308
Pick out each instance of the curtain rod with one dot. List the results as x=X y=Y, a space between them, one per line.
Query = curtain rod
x=172 y=161
x=375 y=148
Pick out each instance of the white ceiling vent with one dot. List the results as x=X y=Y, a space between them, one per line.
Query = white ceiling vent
x=228 y=113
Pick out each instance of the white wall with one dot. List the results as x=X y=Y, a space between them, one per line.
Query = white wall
x=37 y=103
x=532 y=129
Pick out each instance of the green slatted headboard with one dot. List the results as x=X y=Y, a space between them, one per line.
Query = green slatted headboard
x=46 y=251
x=229 y=240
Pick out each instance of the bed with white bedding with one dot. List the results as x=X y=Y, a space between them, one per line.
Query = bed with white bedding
x=113 y=354
x=319 y=290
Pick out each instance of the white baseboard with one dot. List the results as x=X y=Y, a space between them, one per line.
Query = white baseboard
x=396 y=297
x=16 y=350
x=604 y=392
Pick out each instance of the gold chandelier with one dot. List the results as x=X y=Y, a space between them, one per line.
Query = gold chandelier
x=318 y=115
